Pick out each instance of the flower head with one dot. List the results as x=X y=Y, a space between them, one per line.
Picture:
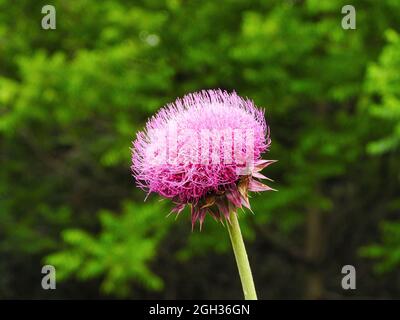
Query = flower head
x=203 y=150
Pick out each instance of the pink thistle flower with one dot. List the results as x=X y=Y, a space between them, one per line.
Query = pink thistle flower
x=204 y=150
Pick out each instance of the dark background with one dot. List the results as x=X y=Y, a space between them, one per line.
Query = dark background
x=72 y=99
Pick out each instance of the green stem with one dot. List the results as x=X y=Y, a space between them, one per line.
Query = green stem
x=241 y=258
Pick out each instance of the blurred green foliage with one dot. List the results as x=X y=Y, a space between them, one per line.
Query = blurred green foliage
x=388 y=252
x=383 y=84
x=72 y=99
x=122 y=250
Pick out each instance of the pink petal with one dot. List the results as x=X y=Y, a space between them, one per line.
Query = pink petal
x=256 y=186
x=223 y=208
x=235 y=198
x=195 y=215
x=260 y=176
x=246 y=203
x=261 y=164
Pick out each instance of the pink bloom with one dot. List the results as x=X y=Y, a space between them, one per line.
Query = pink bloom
x=203 y=150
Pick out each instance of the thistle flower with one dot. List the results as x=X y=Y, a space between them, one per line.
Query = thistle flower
x=204 y=151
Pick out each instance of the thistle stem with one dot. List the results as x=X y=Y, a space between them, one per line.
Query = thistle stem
x=242 y=260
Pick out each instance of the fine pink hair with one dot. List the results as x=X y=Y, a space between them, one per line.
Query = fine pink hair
x=179 y=165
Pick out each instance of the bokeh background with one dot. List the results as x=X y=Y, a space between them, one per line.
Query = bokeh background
x=72 y=100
